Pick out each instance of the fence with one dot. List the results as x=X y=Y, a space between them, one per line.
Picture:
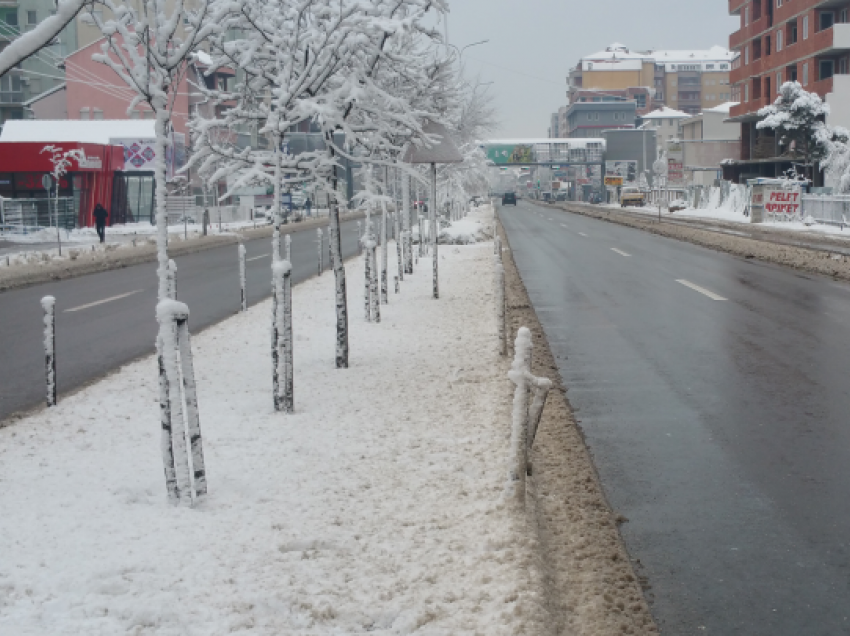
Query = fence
x=24 y=216
x=827 y=209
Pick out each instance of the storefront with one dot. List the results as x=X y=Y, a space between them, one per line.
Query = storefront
x=89 y=181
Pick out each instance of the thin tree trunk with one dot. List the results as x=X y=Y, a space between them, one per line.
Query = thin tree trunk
x=376 y=303
x=434 y=231
x=384 y=256
x=199 y=472
x=288 y=345
x=48 y=304
x=320 y=249
x=399 y=245
x=335 y=243
x=408 y=243
x=242 y=281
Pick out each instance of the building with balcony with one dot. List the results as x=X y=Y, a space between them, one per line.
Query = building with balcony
x=689 y=81
x=708 y=141
x=807 y=41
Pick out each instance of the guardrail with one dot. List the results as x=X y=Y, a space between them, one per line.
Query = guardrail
x=25 y=216
x=827 y=209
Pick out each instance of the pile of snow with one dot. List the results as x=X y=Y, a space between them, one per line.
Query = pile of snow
x=376 y=508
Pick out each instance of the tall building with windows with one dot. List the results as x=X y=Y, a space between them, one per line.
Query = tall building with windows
x=689 y=81
x=807 y=41
x=40 y=73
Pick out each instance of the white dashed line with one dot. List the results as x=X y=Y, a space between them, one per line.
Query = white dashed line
x=105 y=300
x=701 y=290
x=565 y=226
x=582 y=234
x=620 y=252
x=256 y=258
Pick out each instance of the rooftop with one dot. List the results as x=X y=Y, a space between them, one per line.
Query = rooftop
x=77 y=131
x=665 y=113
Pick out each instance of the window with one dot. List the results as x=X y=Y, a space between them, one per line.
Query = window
x=589 y=116
x=806 y=74
x=778 y=81
x=778 y=41
x=842 y=66
x=791 y=73
x=792 y=32
x=134 y=114
x=746 y=92
x=778 y=3
x=98 y=114
x=32 y=17
x=805 y=27
x=826 y=69
x=84 y=113
x=843 y=16
x=724 y=67
x=709 y=67
x=747 y=15
x=827 y=18
x=12 y=18
x=746 y=55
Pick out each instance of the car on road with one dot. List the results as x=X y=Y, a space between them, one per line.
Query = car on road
x=632 y=196
x=509 y=198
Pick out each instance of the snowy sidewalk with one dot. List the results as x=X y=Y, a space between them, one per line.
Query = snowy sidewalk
x=376 y=508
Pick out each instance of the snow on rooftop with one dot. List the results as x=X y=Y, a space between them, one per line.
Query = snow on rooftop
x=77 y=131
x=620 y=52
x=204 y=58
x=722 y=108
x=665 y=113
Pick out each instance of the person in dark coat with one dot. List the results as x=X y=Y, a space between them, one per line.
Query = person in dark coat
x=100 y=216
x=309 y=205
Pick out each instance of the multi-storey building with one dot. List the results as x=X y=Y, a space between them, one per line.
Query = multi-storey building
x=807 y=41
x=689 y=81
x=666 y=124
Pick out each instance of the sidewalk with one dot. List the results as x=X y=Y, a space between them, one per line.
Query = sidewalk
x=378 y=507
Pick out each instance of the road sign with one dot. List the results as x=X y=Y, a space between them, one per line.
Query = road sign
x=613 y=181
x=47 y=182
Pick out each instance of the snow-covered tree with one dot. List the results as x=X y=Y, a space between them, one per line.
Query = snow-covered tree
x=797 y=116
x=31 y=42
x=147 y=44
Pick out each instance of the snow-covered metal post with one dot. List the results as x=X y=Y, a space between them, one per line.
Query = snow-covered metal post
x=359 y=237
x=421 y=235
x=48 y=304
x=385 y=297
x=435 y=232
x=172 y=279
x=242 y=278
x=319 y=242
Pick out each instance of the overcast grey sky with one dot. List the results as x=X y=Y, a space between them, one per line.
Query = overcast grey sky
x=533 y=44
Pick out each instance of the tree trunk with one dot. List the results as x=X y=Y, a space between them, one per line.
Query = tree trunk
x=199 y=472
x=242 y=281
x=399 y=245
x=384 y=256
x=434 y=231
x=376 y=302
x=320 y=249
x=335 y=244
x=408 y=243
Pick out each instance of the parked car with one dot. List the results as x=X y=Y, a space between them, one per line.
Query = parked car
x=509 y=198
x=632 y=196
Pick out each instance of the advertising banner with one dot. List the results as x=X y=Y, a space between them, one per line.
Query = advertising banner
x=627 y=170
x=613 y=180
x=781 y=201
x=675 y=164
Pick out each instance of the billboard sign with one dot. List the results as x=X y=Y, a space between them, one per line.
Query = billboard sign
x=613 y=181
x=675 y=164
x=627 y=170
x=511 y=153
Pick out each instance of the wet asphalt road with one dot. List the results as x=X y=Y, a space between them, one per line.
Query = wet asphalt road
x=91 y=341
x=720 y=428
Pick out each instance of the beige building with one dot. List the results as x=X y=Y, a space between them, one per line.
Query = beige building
x=708 y=139
x=666 y=123
x=689 y=81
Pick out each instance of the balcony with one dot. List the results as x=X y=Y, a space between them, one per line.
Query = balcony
x=735 y=6
x=750 y=108
x=747 y=33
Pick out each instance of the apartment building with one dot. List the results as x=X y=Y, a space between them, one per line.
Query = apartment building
x=666 y=123
x=689 y=81
x=778 y=41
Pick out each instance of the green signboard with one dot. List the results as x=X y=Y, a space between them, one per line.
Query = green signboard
x=513 y=153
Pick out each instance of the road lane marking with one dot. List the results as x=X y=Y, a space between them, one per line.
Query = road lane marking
x=256 y=258
x=620 y=252
x=701 y=290
x=565 y=226
x=582 y=234
x=105 y=300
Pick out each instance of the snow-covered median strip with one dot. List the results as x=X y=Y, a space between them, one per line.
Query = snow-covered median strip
x=377 y=507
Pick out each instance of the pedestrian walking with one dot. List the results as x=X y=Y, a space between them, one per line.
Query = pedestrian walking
x=100 y=216
x=308 y=204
